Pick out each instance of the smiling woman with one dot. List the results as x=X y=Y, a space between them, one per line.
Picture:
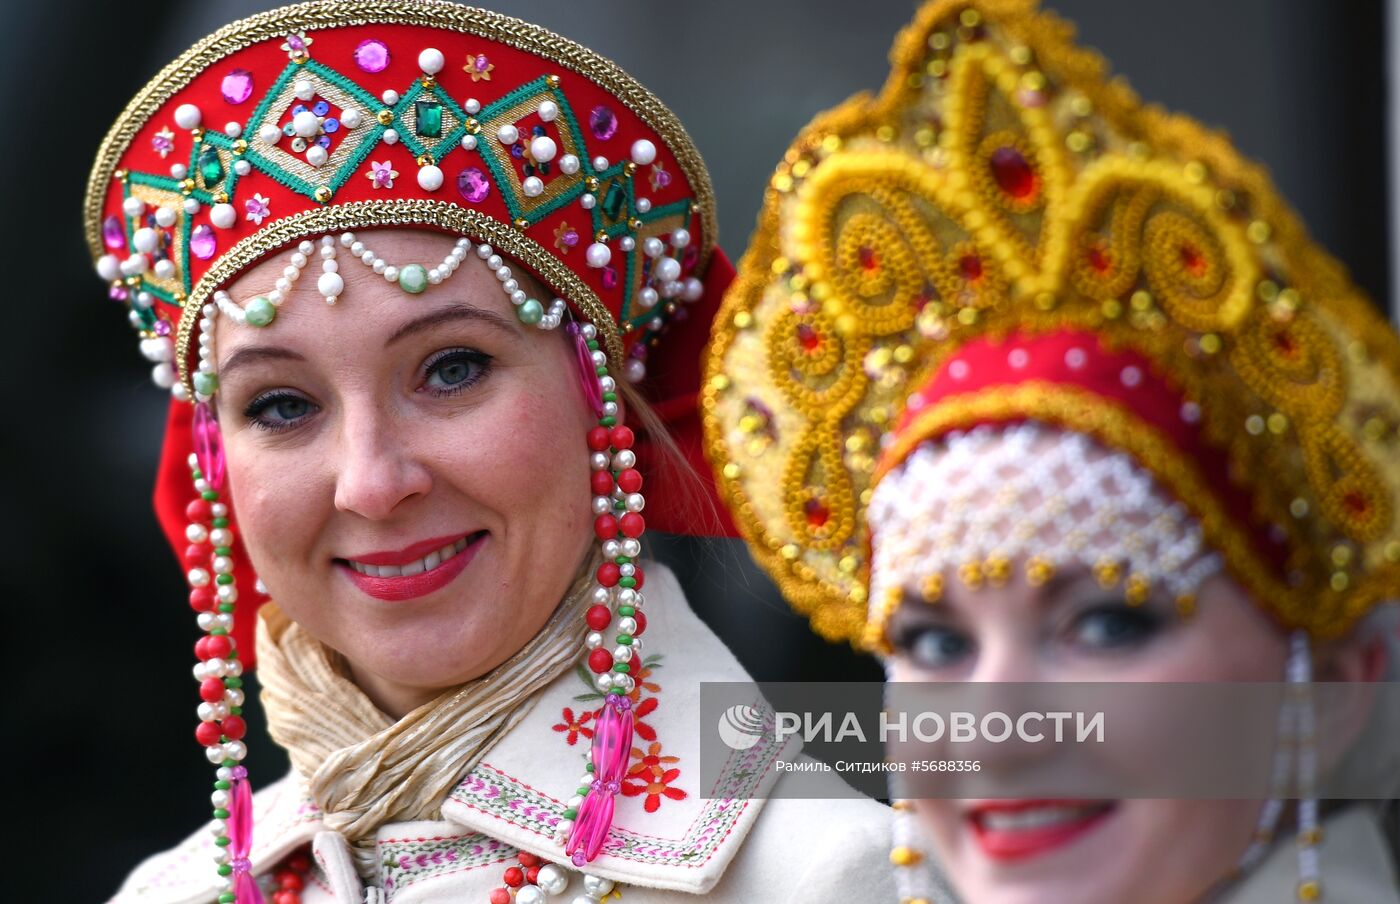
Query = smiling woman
x=442 y=472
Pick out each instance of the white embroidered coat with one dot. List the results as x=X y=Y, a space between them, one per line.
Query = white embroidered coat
x=668 y=843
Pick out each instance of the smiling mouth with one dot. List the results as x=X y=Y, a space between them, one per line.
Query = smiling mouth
x=435 y=559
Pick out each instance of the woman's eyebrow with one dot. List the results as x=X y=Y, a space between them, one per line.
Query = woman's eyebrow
x=253 y=353
x=448 y=314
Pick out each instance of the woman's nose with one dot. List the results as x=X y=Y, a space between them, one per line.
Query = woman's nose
x=1006 y=657
x=376 y=469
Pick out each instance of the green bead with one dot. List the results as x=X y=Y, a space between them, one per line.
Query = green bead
x=584 y=790
x=223 y=579
x=223 y=786
x=222 y=551
x=228 y=898
x=217 y=631
x=238 y=710
x=221 y=522
x=608 y=421
x=530 y=312
x=233 y=682
x=592 y=345
x=222 y=841
x=221 y=813
x=197 y=474
x=260 y=312
x=623 y=560
x=589 y=768
x=413 y=279
x=226 y=607
x=225 y=869
x=206 y=384
x=609 y=397
x=628 y=582
x=570 y=813
x=626 y=610
x=621 y=667
x=210 y=495
x=624 y=639
x=429 y=116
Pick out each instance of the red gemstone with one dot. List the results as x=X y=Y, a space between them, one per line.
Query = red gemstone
x=211 y=690
x=1013 y=173
x=632 y=525
x=233 y=727
x=527 y=859
x=630 y=481
x=605 y=527
x=600 y=660
x=598 y=617
x=640 y=618
x=602 y=483
x=1193 y=260
x=207 y=734
x=622 y=438
x=1283 y=341
x=869 y=260
x=608 y=574
x=199 y=511
x=808 y=337
x=970 y=267
x=817 y=512
x=202 y=599
x=1099 y=259
x=1356 y=503
x=598 y=439
x=515 y=877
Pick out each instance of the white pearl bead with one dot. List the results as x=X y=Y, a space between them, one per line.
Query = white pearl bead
x=518 y=297
x=303 y=89
x=233 y=129
x=187 y=116
x=503 y=273
x=235 y=668
x=222 y=565
x=133 y=207
x=351 y=118
x=233 y=696
x=542 y=148
x=627 y=243
x=435 y=276
x=600 y=163
x=533 y=186
x=165 y=269
x=628 y=596
x=584 y=899
x=653 y=247
x=593 y=641
x=551 y=880
x=643 y=152
x=205 y=620
x=548 y=111
x=667 y=269
x=165 y=216
x=316 y=155
x=587 y=201
x=390 y=97
x=597 y=885
x=242 y=167
x=391 y=136
x=611 y=549
x=220 y=798
x=602 y=595
x=507 y=134
x=472 y=106
x=568 y=164
x=109 y=267
x=529 y=894
x=197 y=577
x=643 y=205
x=627 y=625
x=692 y=289
x=215 y=754
x=179 y=171
x=598 y=255
x=330 y=285
x=431 y=61
x=635 y=502
x=391 y=274
x=468 y=142
x=163 y=375
x=604 y=683
x=622 y=653
x=430 y=177
x=191 y=206
x=236 y=750
x=227 y=593
x=306 y=124
x=223 y=216
x=221 y=536
x=269 y=134
x=631 y=547
x=624 y=459
x=598 y=460
x=609 y=409
x=647 y=298
x=215 y=668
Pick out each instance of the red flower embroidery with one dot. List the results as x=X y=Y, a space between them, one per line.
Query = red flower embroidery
x=573 y=726
x=654 y=787
x=651 y=763
x=641 y=677
x=639 y=712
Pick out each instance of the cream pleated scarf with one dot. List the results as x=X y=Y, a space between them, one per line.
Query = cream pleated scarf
x=364 y=769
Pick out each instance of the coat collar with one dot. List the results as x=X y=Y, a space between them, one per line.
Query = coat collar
x=668 y=831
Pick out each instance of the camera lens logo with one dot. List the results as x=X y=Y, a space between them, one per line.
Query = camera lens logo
x=741 y=726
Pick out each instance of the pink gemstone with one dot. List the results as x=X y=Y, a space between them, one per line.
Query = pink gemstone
x=570 y=239
x=587 y=370
x=603 y=122
x=481 y=63
x=295 y=42
x=609 y=277
x=612 y=744
x=372 y=55
x=162 y=327
x=203 y=244
x=473 y=184
x=240 y=819
x=246 y=890
x=1013 y=173
x=208 y=446
x=237 y=86
x=590 y=830
x=113 y=234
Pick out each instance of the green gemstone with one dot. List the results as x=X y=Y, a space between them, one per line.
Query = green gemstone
x=530 y=312
x=614 y=200
x=260 y=311
x=429 y=116
x=413 y=278
x=206 y=384
x=211 y=168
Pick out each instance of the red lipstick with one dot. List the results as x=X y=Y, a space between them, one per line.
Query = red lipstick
x=1020 y=829
x=378 y=574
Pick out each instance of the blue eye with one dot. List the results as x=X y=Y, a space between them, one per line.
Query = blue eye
x=930 y=647
x=454 y=370
x=278 y=410
x=1114 y=626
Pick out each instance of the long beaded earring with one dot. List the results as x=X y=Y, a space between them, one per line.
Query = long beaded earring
x=214 y=596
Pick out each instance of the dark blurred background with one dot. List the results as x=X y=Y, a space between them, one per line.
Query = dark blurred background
x=97 y=659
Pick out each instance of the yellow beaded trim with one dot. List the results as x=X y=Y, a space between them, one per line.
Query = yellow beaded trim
x=883 y=221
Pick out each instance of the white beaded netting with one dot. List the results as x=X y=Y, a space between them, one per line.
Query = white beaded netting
x=972 y=505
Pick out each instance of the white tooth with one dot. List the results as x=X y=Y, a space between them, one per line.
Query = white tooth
x=431 y=561
x=371 y=570
x=389 y=571
x=461 y=544
x=356 y=566
x=446 y=553
x=412 y=568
